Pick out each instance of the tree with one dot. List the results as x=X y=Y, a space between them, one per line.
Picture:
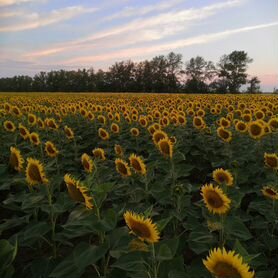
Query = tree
x=199 y=72
x=254 y=85
x=232 y=68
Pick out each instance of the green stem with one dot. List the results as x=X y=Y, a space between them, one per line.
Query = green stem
x=222 y=231
x=154 y=262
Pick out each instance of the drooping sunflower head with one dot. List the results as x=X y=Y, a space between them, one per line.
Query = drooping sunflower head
x=122 y=168
x=255 y=129
x=16 y=160
x=142 y=227
x=23 y=131
x=159 y=135
x=270 y=192
x=165 y=146
x=103 y=134
x=119 y=150
x=99 y=153
x=34 y=138
x=223 y=264
x=69 y=132
x=78 y=192
x=224 y=134
x=35 y=173
x=9 y=126
x=134 y=131
x=115 y=128
x=271 y=160
x=138 y=164
x=222 y=176
x=215 y=199
x=87 y=163
x=51 y=149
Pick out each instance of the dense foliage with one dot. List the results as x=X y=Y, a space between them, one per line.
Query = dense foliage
x=161 y=74
x=138 y=185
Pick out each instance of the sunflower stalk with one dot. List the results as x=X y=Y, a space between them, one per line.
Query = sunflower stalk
x=52 y=220
x=155 y=266
x=222 y=231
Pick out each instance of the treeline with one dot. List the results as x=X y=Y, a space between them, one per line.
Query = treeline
x=161 y=74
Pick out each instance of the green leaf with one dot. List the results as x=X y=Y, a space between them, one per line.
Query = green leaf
x=235 y=228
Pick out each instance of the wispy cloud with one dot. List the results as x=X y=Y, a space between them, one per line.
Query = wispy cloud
x=135 y=52
x=17 y=2
x=140 y=11
x=141 y=30
x=36 y=20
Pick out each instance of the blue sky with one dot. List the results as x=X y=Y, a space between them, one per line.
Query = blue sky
x=40 y=35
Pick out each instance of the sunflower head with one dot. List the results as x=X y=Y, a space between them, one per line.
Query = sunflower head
x=69 y=132
x=138 y=164
x=198 y=122
x=241 y=126
x=103 y=134
x=122 y=168
x=223 y=264
x=134 y=132
x=78 y=192
x=23 y=131
x=99 y=153
x=9 y=126
x=34 y=138
x=270 y=192
x=224 y=134
x=16 y=160
x=159 y=135
x=273 y=123
x=215 y=199
x=32 y=119
x=271 y=160
x=87 y=163
x=115 y=128
x=256 y=129
x=35 y=173
x=142 y=227
x=119 y=150
x=222 y=176
x=51 y=149
x=165 y=146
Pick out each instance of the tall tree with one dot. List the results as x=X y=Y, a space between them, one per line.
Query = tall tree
x=254 y=85
x=232 y=68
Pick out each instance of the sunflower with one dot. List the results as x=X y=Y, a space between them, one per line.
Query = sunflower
x=138 y=245
x=16 y=159
x=78 y=192
x=142 y=227
x=270 y=192
x=35 y=173
x=115 y=128
x=101 y=119
x=51 y=149
x=138 y=164
x=9 y=126
x=23 y=131
x=241 y=126
x=32 y=119
x=215 y=199
x=118 y=150
x=222 y=176
x=134 y=131
x=69 y=132
x=40 y=123
x=271 y=160
x=173 y=140
x=122 y=167
x=34 y=138
x=99 y=153
x=273 y=123
x=198 y=122
x=224 y=134
x=225 y=122
x=165 y=146
x=159 y=135
x=255 y=129
x=223 y=264
x=87 y=163
x=103 y=134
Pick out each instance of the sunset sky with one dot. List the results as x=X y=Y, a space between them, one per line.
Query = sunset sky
x=41 y=35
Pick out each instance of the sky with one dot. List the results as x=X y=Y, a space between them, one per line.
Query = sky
x=44 y=35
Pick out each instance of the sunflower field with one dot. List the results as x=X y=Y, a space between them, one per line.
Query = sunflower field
x=138 y=185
